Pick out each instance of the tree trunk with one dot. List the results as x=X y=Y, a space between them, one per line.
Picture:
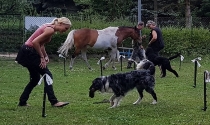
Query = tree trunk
x=155 y=11
x=187 y=14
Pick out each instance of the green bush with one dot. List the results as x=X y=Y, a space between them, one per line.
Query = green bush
x=55 y=43
x=189 y=41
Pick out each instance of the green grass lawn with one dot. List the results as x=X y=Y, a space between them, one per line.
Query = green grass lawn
x=178 y=102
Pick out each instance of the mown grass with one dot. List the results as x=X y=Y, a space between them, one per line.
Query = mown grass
x=178 y=102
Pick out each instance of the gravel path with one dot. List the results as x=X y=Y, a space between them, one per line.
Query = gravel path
x=10 y=55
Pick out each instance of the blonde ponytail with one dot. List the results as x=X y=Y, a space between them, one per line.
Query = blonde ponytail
x=64 y=20
x=55 y=21
x=60 y=20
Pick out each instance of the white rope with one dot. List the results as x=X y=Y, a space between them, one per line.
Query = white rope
x=102 y=58
x=48 y=79
x=196 y=59
x=207 y=76
x=181 y=57
x=121 y=56
x=61 y=56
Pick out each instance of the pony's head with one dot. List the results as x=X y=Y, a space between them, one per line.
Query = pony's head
x=132 y=32
x=135 y=34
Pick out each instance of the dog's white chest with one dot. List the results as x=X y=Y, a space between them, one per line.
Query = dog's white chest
x=107 y=88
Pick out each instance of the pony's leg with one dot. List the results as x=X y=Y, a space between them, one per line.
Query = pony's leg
x=107 y=64
x=84 y=56
x=76 y=52
x=72 y=62
x=112 y=54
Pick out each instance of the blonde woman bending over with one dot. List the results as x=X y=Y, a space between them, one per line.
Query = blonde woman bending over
x=33 y=56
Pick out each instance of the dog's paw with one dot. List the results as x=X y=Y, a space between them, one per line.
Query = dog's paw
x=111 y=103
x=112 y=107
x=154 y=102
x=114 y=67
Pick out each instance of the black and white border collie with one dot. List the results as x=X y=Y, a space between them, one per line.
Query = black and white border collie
x=121 y=83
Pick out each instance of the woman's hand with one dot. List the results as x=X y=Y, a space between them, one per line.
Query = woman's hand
x=43 y=63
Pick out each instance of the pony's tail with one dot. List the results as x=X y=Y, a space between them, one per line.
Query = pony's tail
x=67 y=44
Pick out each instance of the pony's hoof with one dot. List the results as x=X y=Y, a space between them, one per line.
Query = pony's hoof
x=90 y=69
x=114 y=68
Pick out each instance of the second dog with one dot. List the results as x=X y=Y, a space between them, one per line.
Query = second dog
x=161 y=61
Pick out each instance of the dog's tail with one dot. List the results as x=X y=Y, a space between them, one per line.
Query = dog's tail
x=175 y=56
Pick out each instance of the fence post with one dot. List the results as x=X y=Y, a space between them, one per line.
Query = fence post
x=195 y=73
x=206 y=79
x=101 y=68
x=44 y=102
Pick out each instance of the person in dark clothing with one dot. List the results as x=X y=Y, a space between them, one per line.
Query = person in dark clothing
x=156 y=42
x=33 y=56
x=138 y=49
x=155 y=37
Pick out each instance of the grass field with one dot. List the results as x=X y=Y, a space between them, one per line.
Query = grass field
x=179 y=103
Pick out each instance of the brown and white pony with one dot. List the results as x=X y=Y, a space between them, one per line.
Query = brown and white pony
x=106 y=39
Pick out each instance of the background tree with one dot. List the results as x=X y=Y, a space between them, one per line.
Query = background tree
x=111 y=9
x=202 y=8
x=188 y=14
x=10 y=6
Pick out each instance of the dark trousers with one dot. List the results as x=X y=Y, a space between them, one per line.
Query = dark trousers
x=29 y=58
x=34 y=79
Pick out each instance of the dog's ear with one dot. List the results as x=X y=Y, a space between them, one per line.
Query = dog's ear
x=152 y=69
x=147 y=65
x=96 y=84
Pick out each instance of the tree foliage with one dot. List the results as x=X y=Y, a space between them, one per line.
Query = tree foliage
x=114 y=8
x=203 y=8
x=129 y=7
